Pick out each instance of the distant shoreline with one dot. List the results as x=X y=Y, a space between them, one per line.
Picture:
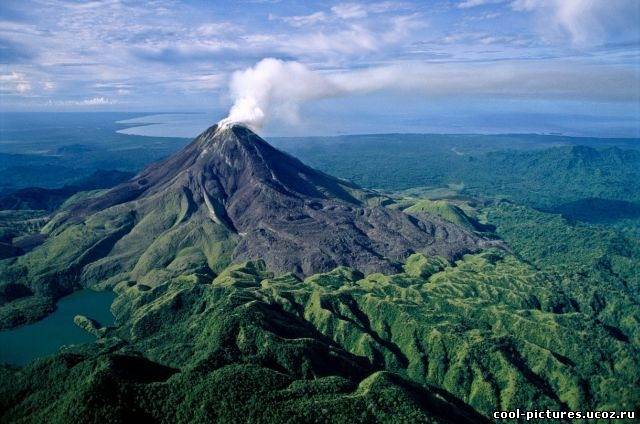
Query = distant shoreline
x=189 y=125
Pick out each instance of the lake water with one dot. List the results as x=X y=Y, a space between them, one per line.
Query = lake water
x=23 y=344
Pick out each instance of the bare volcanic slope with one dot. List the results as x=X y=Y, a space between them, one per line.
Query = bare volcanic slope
x=228 y=196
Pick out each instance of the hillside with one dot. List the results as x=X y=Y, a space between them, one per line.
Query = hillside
x=543 y=175
x=431 y=344
x=50 y=199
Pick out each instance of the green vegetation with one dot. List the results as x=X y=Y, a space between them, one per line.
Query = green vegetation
x=599 y=265
x=444 y=210
x=486 y=166
x=488 y=331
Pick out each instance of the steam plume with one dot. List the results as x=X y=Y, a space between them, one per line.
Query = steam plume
x=274 y=88
x=277 y=89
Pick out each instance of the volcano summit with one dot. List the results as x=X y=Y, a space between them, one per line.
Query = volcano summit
x=227 y=197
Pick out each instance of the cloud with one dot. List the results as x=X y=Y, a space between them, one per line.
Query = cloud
x=516 y=79
x=467 y=4
x=111 y=85
x=278 y=89
x=160 y=55
x=94 y=101
x=355 y=39
x=481 y=38
x=362 y=10
x=304 y=20
x=340 y=12
x=482 y=17
x=339 y=40
x=14 y=83
x=199 y=83
x=218 y=29
x=349 y=29
x=349 y=11
x=11 y=52
x=585 y=21
x=350 y=39
x=12 y=47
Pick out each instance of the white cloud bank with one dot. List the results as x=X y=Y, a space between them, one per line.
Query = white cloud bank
x=276 y=89
x=585 y=21
x=94 y=101
x=467 y=4
x=14 y=82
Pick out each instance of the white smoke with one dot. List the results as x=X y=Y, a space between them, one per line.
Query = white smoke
x=277 y=89
x=274 y=88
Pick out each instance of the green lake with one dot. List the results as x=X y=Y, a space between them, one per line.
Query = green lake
x=21 y=345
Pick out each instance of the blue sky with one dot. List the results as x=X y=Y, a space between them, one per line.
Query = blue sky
x=447 y=58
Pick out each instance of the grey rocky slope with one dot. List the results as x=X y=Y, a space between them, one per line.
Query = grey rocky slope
x=280 y=210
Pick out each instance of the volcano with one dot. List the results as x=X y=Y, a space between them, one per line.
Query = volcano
x=229 y=196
